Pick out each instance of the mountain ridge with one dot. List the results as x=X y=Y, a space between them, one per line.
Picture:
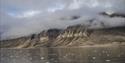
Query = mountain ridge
x=72 y=36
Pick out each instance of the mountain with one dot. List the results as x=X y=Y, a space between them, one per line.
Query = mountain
x=113 y=14
x=72 y=36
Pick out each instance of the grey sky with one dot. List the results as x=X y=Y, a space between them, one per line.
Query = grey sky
x=24 y=17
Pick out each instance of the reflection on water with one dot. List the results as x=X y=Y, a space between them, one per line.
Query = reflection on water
x=64 y=55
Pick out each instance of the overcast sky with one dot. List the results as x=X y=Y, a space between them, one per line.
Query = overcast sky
x=23 y=17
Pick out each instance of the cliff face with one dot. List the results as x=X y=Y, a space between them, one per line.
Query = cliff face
x=72 y=36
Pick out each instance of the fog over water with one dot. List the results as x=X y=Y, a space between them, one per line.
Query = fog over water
x=23 y=17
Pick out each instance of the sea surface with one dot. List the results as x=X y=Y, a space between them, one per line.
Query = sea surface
x=114 y=54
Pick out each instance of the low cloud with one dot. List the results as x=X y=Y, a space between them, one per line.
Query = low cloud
x=24 y=17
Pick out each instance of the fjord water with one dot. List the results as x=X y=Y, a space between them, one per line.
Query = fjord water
x=114 y=54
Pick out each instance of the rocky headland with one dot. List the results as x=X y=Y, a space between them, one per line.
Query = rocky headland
x=72 y=36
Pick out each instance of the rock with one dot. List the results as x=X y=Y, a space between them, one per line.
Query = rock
x=77 y=35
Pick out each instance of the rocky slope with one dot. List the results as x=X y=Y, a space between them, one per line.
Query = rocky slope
x=72 y=36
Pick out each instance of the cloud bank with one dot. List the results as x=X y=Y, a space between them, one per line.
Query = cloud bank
x=23 y=17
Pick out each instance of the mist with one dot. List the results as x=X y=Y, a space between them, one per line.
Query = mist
x=24 y=17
